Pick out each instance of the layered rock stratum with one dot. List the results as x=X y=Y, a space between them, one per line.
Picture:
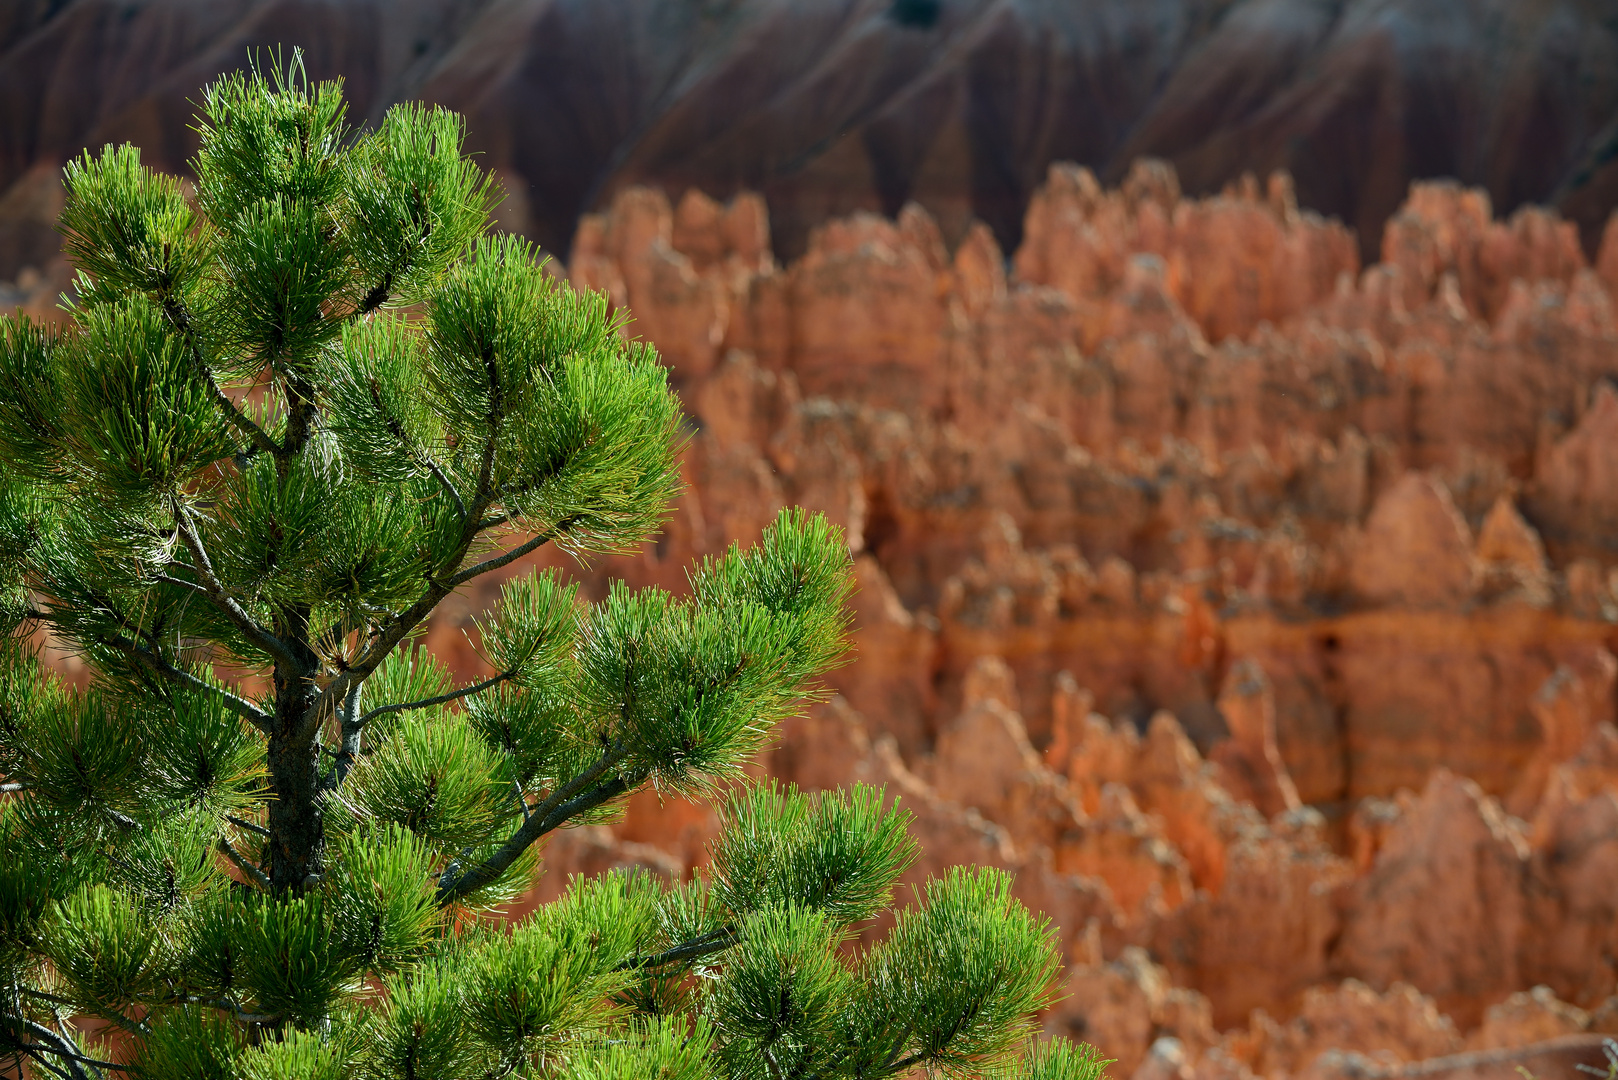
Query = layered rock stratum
x=832 y=106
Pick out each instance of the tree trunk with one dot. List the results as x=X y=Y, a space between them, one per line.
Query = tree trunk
x=297 y=830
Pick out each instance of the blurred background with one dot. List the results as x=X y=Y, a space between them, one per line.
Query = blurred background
x=1218 y=396
x=830 y=106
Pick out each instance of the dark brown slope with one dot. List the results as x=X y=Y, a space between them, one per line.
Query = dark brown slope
x=827 y=106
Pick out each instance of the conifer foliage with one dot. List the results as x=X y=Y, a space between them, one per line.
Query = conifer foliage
x=296 y=408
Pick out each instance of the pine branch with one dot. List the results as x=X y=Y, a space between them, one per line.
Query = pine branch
x=384 y=642
x=960 y=1021
x=62 y=1047
x=256 y=435
x=444 y=481
x=559 y=803
x=891 y=1067
x=376 y=296
x=350 y=730
x=388 y=637
x=400 y=626
x=38 y=1057
x=235 y=703
x=500 y=560
x=222 y=1004
x=123 y=821
x=43 y=996
x=397 y=430
x=907 y=1063
x=134 y=1027
x=300 y=420
x=257 y=876
x=248 y=825
x=239 y=420
x=706 y=945
x=568 y=801
x=507 y=492
x=154 y=662
x=226 y=603
x=334 y=635
x=441 y=699
x=169 y=579
x=245 y=1017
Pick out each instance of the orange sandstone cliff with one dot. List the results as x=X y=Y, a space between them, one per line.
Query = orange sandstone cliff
x=1257 y=608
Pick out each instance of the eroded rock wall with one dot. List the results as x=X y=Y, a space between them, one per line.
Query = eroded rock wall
x=1255 y=607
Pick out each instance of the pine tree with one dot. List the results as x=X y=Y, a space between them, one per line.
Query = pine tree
x=295 y=408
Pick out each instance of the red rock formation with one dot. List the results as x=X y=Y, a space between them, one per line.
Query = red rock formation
x=1250 y=760
x=1176 y=623
x=1258 y=614
x=1082 y=240
x=1443 y=905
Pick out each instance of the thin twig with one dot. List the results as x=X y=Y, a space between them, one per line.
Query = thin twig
x=61 y=1046
x=350 y=731
x=222 y=599
x=300 y=397
x=432 y=466
x=397 y=430
x=256 y=435
x=37 y=1054
x=571 y=799
x=43 y=996
x=706 y=945
x=500 y=560
x=387 y=637
x=258 y=877
x=521 y=796
x=170 y=579
x=152 y=660
x=248 y=825
x=441 y=699
x=134 y=1027
x=235 y=702
x=228 y=1006
x=899 y=1044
